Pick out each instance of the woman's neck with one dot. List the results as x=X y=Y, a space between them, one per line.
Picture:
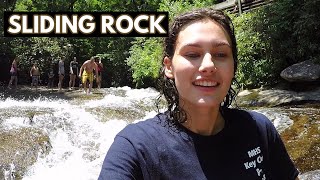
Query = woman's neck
x=204 y=121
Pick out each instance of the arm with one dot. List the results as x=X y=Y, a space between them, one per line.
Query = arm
x=278 y=159
x=31 y=71
x=81 y=69
x=70 y=66
x=121 y=162
x=96 y=69
x=15 y=65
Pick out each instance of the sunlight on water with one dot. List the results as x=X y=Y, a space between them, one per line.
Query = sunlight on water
x=132 y=96
x=40 y=102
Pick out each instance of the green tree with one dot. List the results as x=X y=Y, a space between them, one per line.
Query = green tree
x=145 y=61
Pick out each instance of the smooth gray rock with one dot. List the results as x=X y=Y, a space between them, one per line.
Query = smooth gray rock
x=306 y=71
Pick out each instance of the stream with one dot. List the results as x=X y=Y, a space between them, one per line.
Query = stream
x=54 y=138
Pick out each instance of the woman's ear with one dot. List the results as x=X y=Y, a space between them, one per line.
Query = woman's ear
x=168 y=67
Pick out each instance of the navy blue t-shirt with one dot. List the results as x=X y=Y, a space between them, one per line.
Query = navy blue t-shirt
x=248 y=148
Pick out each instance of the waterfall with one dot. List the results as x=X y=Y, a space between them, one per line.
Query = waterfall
x=79 y=133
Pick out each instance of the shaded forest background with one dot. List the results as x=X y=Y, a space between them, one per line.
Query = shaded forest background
x=270 y=39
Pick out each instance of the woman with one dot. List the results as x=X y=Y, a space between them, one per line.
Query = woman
x=61 y=73
x=14 y=73
x=199 y=137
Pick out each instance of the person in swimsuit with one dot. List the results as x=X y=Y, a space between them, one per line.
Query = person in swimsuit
x=50 y=78
x=73 y=72
x=35 y=75
x=14 y=73
x=100 y=68
x=61 y=72
x=86 y=73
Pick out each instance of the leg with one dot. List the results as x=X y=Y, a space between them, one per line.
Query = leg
x=90 y=87
x=16 y=81
x=60 y=82
x=36 y=82
x=70 y=81
x=99 y=81
x=73 y=81
x=84 y=82
x=32 y=81
x=85 y=86
x=10 y=82
x=91 y=82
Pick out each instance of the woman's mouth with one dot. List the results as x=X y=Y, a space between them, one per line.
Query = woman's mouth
x=206 y=83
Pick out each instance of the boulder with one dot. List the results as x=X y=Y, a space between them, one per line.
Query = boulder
x=306 y=71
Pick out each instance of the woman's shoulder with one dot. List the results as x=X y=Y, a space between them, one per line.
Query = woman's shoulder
x=143 y=129
x=248 y=116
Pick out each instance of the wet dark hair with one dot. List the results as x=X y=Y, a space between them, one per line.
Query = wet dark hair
x=166 y=85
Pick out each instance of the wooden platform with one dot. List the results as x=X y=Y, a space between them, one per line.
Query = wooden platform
x=233 y=6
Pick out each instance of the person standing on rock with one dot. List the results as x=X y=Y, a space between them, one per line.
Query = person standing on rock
x=86 y=73
x=199 y=136
x=14 y=73
x=99 y=69
x=35 y=75
x=73 y=72
x=50 y=78
x=61 y=73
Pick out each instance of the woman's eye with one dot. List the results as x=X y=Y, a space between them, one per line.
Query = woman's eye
x=192 y=55
x=220 y=54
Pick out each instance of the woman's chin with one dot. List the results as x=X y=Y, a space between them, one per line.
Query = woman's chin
x=207 y=103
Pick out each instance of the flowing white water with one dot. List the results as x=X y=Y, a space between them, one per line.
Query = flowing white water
x=79 y=140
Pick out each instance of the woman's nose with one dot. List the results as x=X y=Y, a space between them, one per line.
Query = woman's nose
x=207 y=65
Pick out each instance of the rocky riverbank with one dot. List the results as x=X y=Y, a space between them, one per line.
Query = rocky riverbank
x=277 y=97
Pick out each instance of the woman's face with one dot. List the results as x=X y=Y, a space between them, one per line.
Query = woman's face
x=202 y=65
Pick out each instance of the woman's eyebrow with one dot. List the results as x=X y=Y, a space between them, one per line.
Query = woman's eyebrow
x=220 y=43
x=213 y=43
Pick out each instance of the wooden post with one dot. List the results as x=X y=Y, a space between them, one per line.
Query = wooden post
x=239 y=6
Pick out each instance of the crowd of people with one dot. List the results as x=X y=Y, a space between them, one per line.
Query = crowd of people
x=89 y=71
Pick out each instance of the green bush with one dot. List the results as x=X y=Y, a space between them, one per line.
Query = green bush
x=256 y=66
x=145 y=61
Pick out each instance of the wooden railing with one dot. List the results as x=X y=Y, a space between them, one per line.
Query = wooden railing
x=239 y=6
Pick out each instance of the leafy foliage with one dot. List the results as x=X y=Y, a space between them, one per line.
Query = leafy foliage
x=269 y=40
x=256 y=65
x=275 y=37
x=145 y=60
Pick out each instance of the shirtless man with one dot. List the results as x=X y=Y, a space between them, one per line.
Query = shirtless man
x=35 y=75
x=87 y=68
